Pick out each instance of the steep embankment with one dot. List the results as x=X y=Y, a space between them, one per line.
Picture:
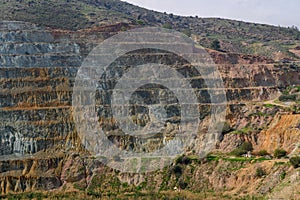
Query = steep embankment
x=39 y=146
x=283 y=132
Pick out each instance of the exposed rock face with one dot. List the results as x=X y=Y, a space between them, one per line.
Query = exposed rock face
x=30 y=174
x=283 y=133
x=37 y=74
x=13 y=142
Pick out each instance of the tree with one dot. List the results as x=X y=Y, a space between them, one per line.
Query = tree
x=215 y=45
x=260 y=172
x=177 y=170
x=243 y=149
x=279 y=153
x=295 y=161
x=262 y=153
x=247 y=146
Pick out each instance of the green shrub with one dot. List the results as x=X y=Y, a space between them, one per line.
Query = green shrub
x=247 y=146
x=186 y=160
x=290 y=97
x=94 y=194
x=262 y=153
x=167 y=26
x=140 y=22
x=211 y=157
x=282 y=175
x=179 y=159
x=238 y=152
x=268 y=105
x=215 y=45
x=295 y=161
x=182 y=184
x=260 y=172
x=177 y=170
x=279 y=153
x=183 y=160
x=245 y=130
x=243 y=149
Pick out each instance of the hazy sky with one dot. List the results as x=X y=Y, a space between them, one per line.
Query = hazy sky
x=276 y=12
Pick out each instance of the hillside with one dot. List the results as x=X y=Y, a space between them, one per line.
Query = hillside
x=43 y=157
x=234 y=36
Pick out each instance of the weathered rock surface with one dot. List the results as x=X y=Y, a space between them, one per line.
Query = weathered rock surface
x=283 y=133
x=37 y=72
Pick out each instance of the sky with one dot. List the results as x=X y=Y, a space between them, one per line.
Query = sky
x=274 y=12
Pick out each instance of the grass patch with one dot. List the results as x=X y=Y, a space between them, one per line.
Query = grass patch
x=268 y=105
x=280 y=153
x=211 y=157
x=295 y=161
x=237 y=159
x=244 y=130
x=261 y=159
x=279 y=163
x=288 y=97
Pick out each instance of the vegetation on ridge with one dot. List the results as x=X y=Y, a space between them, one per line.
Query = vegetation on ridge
x=232 y=35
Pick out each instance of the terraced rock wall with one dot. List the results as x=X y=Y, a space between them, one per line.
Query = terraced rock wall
x=37 y=72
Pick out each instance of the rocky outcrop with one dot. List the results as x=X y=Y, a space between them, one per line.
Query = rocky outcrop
x=38 y=68
x=36 y=83
x=283 y=132
x=13 y=142
x=28 y=174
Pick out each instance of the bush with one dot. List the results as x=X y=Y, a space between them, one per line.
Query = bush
x=177 y=170
x=262 y=153
x=179 y=159
x=295 y=161
x=243 y=149
x=183 y=160
x=260 y=172
x=247 y=146
x=140 y=22
x=279 y=153
x=211 y=157
x=245 y=130
x=182 y=184
x=282 y=175
x=292 y=97
x=268 y=105
x=238 y=152
x=95 y=194
x=186 y=160
x=168 y=26
x=215 y=45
